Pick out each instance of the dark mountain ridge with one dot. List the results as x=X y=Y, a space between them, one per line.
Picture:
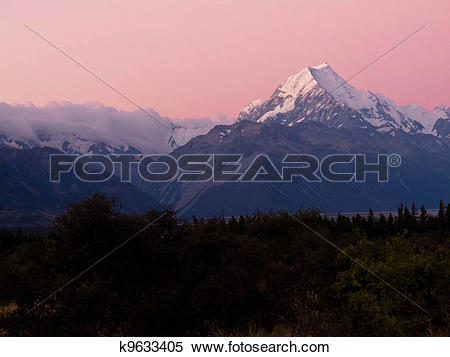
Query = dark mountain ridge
x=29 y=199
x=422 y=177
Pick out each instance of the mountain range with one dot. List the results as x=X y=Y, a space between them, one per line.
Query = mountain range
x=320 y=94
x=28 y=199
x=317 y=112
x=313 y=112
x=94 y=128
x=423 y=176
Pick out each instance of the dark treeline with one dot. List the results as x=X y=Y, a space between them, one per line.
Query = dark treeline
x=265 y=274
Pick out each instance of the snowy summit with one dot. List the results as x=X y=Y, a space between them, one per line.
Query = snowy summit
x=319 y=94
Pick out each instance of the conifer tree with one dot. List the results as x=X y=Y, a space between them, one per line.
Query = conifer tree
x=414 y=211
x=423 y=214
x=441 y=214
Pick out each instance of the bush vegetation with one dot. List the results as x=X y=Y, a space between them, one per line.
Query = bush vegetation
x=264 y=274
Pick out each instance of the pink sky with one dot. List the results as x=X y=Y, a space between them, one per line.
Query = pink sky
x=194 y=58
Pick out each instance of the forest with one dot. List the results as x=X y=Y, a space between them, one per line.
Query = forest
x=267 y=274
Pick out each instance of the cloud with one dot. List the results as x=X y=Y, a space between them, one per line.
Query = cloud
x=95 y=122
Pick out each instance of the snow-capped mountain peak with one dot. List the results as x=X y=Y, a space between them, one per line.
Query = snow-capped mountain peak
x=340 y=89
x=318 y=93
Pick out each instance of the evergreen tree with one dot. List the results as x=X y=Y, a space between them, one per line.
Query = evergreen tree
x=423 y=214
x=441 y=214
x=391 y=224
x=382 y=224
x=414 y=211
x=423 y=219
x=400 y=214
x=447 y=214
